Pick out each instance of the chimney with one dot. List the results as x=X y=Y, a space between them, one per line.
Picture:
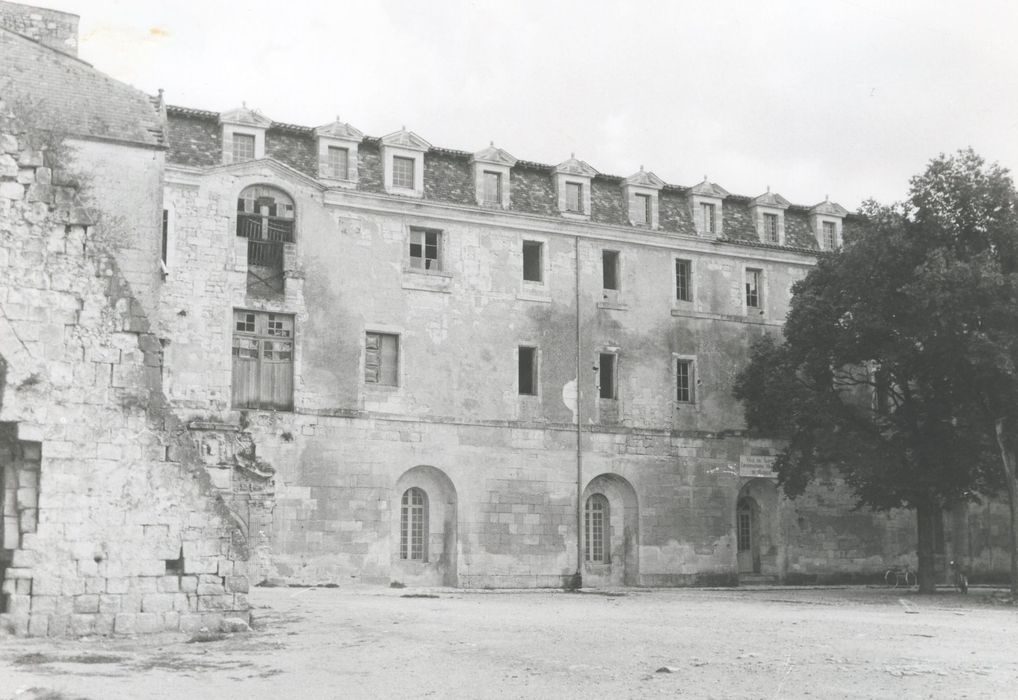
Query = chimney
x=57 y=30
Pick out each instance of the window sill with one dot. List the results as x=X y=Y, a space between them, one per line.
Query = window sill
x=541 y=296
x=407 y=269
x=405 y=192
x=575 y=215
x=427 y=280
x=612 y=305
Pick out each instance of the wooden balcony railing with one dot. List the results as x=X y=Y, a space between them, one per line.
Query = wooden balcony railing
x=265 y=253
x=265 y=228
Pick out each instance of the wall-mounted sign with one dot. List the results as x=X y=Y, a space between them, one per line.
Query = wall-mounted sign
x=757 y=466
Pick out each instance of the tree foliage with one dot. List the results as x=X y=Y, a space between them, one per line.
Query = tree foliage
x=899 y=351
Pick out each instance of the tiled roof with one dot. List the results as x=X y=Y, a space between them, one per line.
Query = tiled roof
x=68 y=94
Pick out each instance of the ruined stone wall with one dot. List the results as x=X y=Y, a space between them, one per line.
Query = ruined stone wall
x=119 y=529
x=58 y=30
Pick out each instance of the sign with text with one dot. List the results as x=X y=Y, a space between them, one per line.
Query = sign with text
x=757 y=466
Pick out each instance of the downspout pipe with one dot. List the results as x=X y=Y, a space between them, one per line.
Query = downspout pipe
x=577 y=581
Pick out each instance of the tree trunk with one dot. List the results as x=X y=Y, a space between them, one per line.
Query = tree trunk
x=1007 y=458
x=926 y=514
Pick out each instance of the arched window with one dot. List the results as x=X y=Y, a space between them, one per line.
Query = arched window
x=596 y=529
x=413 y=525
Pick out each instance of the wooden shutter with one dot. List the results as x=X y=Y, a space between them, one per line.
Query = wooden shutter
x=372 y=357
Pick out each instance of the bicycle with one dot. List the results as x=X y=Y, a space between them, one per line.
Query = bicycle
x=900 y=576
x=960 y=576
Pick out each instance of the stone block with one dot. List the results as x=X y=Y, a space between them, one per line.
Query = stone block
x=168 y=584
x=82 y=624
x=157 y=603
x=212 y=603
x=8 y=166
x=58 y=625
x=8 y=143
x=237 y=584
x=125 y=623
x=188 y=584
x=19 y=604
x=14 y=623
x=95 y=584
x=171 y=621
x=12 y=190
x=44 y=603
x=210 y=589
x=88 y=603
x=38 y=624
x=148 y=623
x=104 y=623
x=117 y=585
x=190 y=623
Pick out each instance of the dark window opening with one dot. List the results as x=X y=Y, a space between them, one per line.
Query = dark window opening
x=528 y=370
x=175 y=567
x=684 y=381
x=610 y=269
x=532 y=264
x=753 y=278
x=166 y=236
x=709 y=221
x=606 y=375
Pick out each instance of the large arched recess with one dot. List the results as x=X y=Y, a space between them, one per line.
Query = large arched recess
x=438 y=567
x=622 y=538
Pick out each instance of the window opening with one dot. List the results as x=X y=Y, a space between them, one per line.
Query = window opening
x=830 y=235
x=403 y=172
x=744 y=526
x=243 y=147
x=753 y=278
x=610 y=269
x=684 y=381
x=532 y=271
x=528 y=370
x=338 y=162
x=709 y=222
x=606 y=371
x=683 y=291
x=771 y=228
x=166 y=236
x=596 y=529
x=574 y=197
x=643 y=211
x=381 y=359
x=425 y=249
x=262 y=360
x=492 y=188
x=413 y=531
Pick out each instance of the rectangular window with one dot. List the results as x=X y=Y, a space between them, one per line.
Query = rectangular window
x=642 y=216
x=684 y=381
x=403 y=172
x=492 y=193
x=709 y=223
x=338 y=162
x=243 y=147
x=262 y=360
x=425 y=249
x=574 y=197
x=532 y=263
x=683 y=280
x=381 y=359
x=771 y=228
x=528 y=370
x=610 y=269
x=830 y=235
x=606 y=375
x=166 y=236
x=753 y=283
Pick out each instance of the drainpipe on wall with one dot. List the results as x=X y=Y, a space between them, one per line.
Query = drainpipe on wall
x=578 y=577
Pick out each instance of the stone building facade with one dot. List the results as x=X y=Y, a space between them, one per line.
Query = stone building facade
x=239 y=350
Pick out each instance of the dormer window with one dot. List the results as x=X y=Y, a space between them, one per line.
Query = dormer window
x=707 y=200
x=826 y=221
x=243 y=134
x=572 y=183
x=641 y=194
x=768 y=211
x=403 y=163
x=337 y=153
x=491 y=177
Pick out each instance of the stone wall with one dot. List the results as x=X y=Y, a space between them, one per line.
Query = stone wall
x=58 y=30
x=129 y=534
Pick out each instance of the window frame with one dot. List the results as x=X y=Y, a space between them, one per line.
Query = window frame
x=755 y=274
x=612 y=373
x=397 y=176
x=386 y=377
x=243 y=138
x=825 y=226
x=688 y=363
x=331 y=166
x=611 y=260
x=487 y=197
x=771 y=228
x=688 y=298
x=260 y=334
x=573 y=186
x=439 y=250
x=710 y=226
x=412 y=514
x=597 y=529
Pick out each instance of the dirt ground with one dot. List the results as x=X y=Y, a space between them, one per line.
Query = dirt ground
x=446 y=643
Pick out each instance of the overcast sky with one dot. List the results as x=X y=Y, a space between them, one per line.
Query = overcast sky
x=846 y=97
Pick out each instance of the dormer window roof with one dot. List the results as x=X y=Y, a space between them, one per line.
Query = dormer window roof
x=771 y=200
x=645 y=178
x=829 y=208
x=245 y=116
x=575 y=166
x=494 y=155
x=339 y=130
x=406 y=140
x=709 y=189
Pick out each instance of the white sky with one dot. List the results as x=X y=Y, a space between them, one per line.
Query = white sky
x=846 y=97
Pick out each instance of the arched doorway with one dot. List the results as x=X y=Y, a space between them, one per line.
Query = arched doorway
x=610 y=535
x=424 y=528
x=265 y=217
x=756 y=527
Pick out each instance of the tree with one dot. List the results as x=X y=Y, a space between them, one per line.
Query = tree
x=897 y=365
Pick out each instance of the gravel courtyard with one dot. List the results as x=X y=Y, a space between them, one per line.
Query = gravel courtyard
x=376 y=642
